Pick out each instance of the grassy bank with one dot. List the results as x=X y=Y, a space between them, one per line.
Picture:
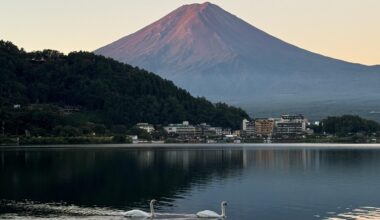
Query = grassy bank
x=62 y=140
x=120 y=139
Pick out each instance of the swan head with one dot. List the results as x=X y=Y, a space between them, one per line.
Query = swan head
x=153 y=201
x=224 y=205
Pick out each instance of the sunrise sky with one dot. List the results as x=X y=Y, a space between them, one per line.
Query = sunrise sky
x=344 y=29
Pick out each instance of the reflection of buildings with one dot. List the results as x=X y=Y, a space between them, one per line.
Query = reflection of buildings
x=181 y=159
x=119 y=176
x=145 y=158
x=230 y=158
x=282 y=158
x=2 y=160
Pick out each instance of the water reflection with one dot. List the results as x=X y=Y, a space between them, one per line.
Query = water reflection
x=66 y=211
x=109 y=177
x=363 y=213
x=297 y=183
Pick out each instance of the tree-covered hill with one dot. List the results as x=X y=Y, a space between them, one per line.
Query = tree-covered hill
x=348 y=124
x=109 y=92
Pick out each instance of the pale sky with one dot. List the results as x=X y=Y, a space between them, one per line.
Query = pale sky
x=343 y=29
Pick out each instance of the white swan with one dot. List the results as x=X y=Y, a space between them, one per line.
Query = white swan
x=135 y=213
x=212 y=214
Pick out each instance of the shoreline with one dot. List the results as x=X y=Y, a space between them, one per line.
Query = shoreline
x=202 y=145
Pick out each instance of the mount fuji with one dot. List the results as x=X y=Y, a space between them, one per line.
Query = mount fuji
x=212 y=53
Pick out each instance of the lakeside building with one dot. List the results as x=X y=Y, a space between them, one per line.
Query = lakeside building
x=248 y=128
x=291 y=125
x=133 y=138
x=287 y=125
x=205 y=130
x=146 y=126
x=184 y=129
x=226 y=131
x=236 y=133
x=244 y=124
x=264 y=127
x=200 y=130
x=213 y=131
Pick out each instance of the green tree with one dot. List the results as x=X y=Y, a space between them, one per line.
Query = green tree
x=107 y=92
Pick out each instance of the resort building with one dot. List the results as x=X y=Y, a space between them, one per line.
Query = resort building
x=217 y=130
x=248 y=128
x=184 y=129
x=264 y=127
x=226 y=131
x=291 y=125
x=203 y=130
x=244 y=124
x=145 y=126
x=236 y=133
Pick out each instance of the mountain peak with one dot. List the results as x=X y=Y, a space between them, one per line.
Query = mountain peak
x=187 y=35
x=191 y=34
x=209 y=51
x=193 y=10
x=206 y=3
x=200 y=5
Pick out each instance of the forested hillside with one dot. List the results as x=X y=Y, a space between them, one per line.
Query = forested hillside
x=105 y=91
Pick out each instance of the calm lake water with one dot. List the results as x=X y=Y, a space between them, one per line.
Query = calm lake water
x=258 y=183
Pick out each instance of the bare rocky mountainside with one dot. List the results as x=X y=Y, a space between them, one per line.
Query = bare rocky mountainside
x=212 y=53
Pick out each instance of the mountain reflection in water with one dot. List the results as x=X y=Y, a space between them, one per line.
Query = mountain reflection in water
x=296 y=183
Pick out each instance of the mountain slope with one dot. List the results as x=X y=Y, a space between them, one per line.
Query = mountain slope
x=212 y=53
x=115 y=93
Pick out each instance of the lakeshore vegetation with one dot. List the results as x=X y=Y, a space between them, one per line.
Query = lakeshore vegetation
x=47 y=97
x=106 y=96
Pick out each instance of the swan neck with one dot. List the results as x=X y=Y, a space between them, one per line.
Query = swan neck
x=223 y=211
x=152 y=214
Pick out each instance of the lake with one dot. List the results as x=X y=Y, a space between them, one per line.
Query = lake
x=257 y=182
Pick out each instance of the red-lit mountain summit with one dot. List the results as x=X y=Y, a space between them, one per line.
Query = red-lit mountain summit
x=213 y=53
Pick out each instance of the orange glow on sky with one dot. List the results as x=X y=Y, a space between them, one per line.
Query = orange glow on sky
x=343 y=29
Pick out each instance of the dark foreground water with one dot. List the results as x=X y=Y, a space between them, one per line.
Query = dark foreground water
x=258 y=183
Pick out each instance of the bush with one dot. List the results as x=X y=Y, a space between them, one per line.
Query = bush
x=119 y=139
